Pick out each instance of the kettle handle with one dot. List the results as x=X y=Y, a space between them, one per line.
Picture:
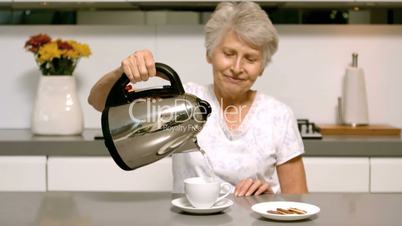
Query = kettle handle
x=172 y=76
x=118 y=95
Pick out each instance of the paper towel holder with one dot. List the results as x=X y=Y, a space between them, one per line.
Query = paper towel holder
x=353 y=105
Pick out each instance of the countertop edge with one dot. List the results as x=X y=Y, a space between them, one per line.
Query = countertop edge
x=20 y=142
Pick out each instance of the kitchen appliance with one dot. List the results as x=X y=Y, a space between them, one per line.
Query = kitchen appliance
x=353 y=107
x=143 y=126
x=308 y=130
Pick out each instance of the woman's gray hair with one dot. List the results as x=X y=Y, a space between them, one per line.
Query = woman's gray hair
x=248 y=21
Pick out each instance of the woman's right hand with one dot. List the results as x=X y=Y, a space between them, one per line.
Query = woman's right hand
x=139 y=66
x=250 y=186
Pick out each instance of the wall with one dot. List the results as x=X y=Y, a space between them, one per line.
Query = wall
x=306 y=73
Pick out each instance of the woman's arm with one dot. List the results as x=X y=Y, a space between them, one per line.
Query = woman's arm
x=99 y=92
x=292 y=179
x=292 y=176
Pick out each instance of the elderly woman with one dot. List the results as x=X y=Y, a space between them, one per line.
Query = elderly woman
x=251 y=139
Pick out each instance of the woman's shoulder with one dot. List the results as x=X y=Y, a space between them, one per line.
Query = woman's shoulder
x=271 y=104
x=196 y=89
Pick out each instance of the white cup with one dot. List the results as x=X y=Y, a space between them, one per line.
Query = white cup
x=205 y=192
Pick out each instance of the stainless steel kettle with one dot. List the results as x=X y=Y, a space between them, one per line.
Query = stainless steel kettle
x=143 y=126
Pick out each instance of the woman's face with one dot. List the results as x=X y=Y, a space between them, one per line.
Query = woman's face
x=236 y=65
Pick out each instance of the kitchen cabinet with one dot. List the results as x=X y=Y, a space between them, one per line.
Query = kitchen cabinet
x=169 y=1
x=80 y=163
x=22 y=173
x=102 y=174
x=64 y=1
x=377 y=1
x=386 y=174
x=337 y=174
x=161 y=3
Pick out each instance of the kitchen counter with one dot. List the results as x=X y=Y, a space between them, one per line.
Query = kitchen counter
x=116 y=208
x=22 y=142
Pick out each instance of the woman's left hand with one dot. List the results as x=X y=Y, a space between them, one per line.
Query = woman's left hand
x=249 y=187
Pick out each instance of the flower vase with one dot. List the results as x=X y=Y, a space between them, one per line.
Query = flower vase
x=57 y=110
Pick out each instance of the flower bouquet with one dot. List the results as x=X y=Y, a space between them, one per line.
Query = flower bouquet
x=56 y=57
x=57 y=109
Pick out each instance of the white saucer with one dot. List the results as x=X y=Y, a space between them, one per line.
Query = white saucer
x=184 y=205
x=263 y=207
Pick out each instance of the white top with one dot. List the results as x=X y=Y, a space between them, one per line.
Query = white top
x=267 y=137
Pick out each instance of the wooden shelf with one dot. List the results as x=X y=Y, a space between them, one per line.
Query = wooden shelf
x=370 y=130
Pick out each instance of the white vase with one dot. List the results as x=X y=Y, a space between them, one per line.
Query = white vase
x=57 y=110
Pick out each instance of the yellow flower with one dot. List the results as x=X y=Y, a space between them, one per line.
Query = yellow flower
x=84 y=50
x=79 y=50
x=48 y=51
x=71 y=54
x=56 y=57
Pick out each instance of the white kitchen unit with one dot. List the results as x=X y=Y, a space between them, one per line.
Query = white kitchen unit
x=386 y=174
x=62 y=1
x=22 y=173
x=102 y=174
x=337 y=174
x=324 y=174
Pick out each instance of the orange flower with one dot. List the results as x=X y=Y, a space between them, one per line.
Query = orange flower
x=63 y=45
x=36 y=41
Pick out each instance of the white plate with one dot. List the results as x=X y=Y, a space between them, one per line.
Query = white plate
x=184 y=205
x=263 y=207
